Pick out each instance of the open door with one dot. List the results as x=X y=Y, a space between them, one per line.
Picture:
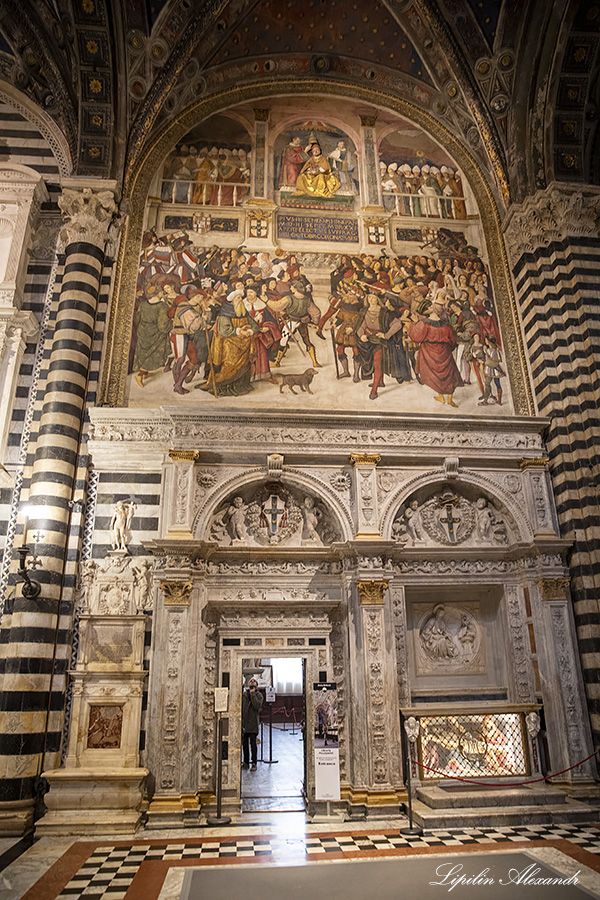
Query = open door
x=279 y=781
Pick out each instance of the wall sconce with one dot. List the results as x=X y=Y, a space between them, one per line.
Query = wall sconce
x=31 y=589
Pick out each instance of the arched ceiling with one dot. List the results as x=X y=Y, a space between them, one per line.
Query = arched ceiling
x=517 y=80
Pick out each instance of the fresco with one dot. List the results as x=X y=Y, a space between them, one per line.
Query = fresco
x=472 y=746
x=315 y=166
x=307 y=262
x=393 y=331
x=211 y=166
x=418 y=178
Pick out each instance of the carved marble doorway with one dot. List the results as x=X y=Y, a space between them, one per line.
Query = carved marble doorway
x=279 y=781
x=290 y=636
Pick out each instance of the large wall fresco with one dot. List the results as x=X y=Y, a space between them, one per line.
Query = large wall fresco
x=332 y=305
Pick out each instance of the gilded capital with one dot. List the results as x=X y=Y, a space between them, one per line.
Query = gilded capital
x=184 y=455
x=87 y=216
x=534 y=462
x=372 y=593
x=177 y=593
x=365 y=459
x=554 y=588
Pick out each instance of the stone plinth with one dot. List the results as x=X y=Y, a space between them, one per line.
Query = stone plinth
x=93 y=801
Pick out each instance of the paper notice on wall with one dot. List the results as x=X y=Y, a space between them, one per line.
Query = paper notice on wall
x=327 y=754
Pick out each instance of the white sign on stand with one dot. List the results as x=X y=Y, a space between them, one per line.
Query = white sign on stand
x=327 y=754
x=221 y=699
x=270 y=695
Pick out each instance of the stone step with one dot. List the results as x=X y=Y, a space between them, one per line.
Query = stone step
x=457 y=798
x=571 y=812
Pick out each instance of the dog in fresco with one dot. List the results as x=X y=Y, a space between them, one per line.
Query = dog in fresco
x=301 y=379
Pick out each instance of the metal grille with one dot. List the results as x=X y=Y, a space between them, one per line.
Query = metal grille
x=480 y=746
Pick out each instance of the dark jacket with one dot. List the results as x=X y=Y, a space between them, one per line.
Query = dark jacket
x=251 y=704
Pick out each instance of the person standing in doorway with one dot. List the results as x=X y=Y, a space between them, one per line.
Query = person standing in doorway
x=252 y=701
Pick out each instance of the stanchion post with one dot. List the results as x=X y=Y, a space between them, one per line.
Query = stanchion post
x=411 y=727
x=219 y=819
x=271 y=761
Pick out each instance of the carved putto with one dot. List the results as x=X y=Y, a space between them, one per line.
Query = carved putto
x=449 y=518
x=273 y=515
x=449 y=637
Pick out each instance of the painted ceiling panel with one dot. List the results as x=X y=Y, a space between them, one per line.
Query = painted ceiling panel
x=364 y=31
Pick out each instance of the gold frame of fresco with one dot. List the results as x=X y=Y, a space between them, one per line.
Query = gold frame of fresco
x=114 y=374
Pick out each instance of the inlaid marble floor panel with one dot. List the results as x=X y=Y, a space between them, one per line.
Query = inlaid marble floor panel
x=117 y=869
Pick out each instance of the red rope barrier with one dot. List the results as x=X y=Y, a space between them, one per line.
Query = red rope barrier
x=504 y=784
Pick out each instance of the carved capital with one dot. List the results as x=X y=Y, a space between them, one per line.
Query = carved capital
x=550 y=215
x=554 y=588
x=537 y=462
x=372 y=593
x=177 y=593
x=365 y=459
x=88 y=216
x=261 y=115
x=368 y=121
x=184 y=455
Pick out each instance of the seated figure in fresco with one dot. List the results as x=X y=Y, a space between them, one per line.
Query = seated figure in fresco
x=316 y=177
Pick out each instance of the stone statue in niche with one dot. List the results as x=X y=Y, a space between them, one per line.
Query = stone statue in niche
x=120 y=524
x=311 y=520
x=449 y=518
x=274 y=515
x=237 y=520
x=490 y=526
x=414 y=522
x=449 y=637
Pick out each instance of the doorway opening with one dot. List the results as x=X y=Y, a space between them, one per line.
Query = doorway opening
x=278 y=782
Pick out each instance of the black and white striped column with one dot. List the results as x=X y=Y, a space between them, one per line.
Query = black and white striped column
x=555 y=246
x=37 y=644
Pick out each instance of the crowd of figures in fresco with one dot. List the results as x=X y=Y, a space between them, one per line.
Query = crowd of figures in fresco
x=225 y=321
x=426 y=190
x=209 y=176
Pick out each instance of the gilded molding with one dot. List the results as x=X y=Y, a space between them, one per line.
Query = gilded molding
x=184 y=455
x=534 y=462
x=177 y=593
x=113 y=385
x=372 y=593
x=365 y=459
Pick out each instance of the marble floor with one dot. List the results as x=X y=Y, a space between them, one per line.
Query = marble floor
x=276 y=784
x=140 y=867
